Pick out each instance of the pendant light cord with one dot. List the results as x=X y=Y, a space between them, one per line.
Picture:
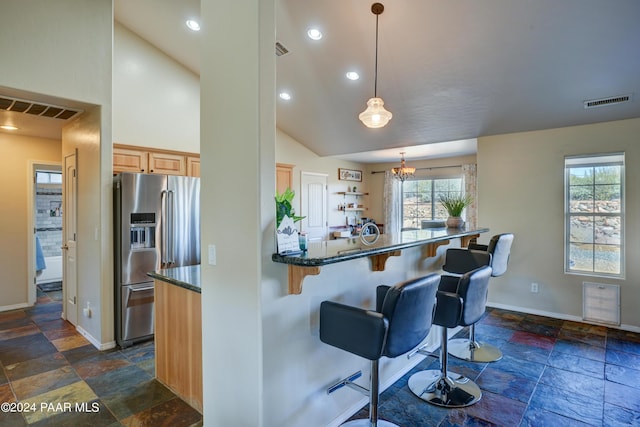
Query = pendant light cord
x=375 y=74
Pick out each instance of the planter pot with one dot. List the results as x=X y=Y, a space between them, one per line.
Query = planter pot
x=455 y=222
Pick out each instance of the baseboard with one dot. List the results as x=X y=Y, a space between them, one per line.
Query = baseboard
x=13 y=307
x=561 y=316
x=97 y=344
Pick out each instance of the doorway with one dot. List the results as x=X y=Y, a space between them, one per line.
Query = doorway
x=48 y=228
x=313 y=187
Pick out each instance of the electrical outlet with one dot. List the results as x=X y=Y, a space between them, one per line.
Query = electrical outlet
x=87 y=310
x=534 y=288
x=212 y=254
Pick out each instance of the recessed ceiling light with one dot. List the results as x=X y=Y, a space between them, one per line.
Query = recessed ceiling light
x=352 y=75
x=193 y=25
x=8 y=127
x=314 y=34
x=285 y=96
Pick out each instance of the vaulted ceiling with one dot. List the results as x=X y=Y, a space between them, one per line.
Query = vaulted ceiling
x=448 y=70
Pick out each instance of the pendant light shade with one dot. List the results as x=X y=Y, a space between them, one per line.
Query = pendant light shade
x=375 y=116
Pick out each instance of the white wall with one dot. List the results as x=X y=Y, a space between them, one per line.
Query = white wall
x=156 y=101
x=521 y=190
x=63 y=49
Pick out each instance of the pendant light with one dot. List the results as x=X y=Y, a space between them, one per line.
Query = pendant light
x=375 y=116
x=403 y=172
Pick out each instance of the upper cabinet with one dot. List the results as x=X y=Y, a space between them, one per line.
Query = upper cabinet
x=148 y=160
x=284 y=177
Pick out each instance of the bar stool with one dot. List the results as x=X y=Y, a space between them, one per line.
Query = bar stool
x=463 y=260
x=402 y=320
x=463 y=307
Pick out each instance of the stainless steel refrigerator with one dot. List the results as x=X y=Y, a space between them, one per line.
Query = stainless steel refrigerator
x=156 y=225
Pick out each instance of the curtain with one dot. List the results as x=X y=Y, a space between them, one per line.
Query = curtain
x=392 y=203
x=470 y=182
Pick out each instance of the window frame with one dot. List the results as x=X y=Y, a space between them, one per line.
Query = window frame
x=594 y=160
x=434 y=200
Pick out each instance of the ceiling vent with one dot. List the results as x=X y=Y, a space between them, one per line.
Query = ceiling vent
x=37 y=108
x=593 y=103
x=280 y=49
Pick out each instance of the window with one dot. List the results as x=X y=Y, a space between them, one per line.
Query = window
x=594 y=215
x=420 y=199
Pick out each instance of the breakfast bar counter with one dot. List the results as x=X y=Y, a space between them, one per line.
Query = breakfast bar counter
x=328 y=252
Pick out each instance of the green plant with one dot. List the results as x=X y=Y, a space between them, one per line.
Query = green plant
x=283 y=206
x=455 y=203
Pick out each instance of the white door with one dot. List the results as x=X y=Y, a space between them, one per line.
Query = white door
x=69 y=239
x=314 y=204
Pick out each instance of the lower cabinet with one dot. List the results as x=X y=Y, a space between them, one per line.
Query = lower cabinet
x=178 y=340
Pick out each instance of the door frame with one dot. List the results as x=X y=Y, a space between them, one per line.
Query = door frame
x=33 y=166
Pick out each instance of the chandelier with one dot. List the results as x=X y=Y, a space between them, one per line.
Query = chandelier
x=403 y=172
x=375 y=116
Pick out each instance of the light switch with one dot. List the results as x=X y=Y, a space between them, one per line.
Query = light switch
x=212 y=254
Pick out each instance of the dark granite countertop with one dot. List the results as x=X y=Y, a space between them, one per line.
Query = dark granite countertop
x=186 y=277
x=332 y=251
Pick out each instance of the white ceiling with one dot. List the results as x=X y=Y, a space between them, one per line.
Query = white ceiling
x=448 y=70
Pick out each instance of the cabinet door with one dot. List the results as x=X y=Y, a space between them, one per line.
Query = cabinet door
x=128 y=160
x=193 y=166
x=284 y=177
x=167 y=164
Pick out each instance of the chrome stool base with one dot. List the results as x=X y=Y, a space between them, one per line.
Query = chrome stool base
x=473 y=351
x=366 y=423
x=450 y=391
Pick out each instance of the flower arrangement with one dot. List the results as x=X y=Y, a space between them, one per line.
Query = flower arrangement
x=283 y=207
x=455 y=203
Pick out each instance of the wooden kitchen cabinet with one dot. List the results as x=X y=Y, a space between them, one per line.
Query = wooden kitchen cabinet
x=130 y=160
x=127 y=158
x=193 y=166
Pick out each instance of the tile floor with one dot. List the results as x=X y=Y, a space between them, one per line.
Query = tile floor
x=44 y=360
x=553 y=373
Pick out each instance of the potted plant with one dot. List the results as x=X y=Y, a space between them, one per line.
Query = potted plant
x=454 y=204
x=283 y=207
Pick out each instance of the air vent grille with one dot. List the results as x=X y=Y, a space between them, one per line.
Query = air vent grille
x=280 y=49
x=36 y=108
x=593 y=103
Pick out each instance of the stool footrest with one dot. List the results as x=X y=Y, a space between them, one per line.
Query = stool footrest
x=422 y=351
x=349 y=382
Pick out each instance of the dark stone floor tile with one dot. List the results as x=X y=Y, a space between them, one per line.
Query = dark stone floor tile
x=573 y=382
x=12 y=419
x=172 y=413
x=138 y=398
x=3 y=377
x=17 y=322
x=100 y=364
x=45 y=363
x=93 y=414
x=484 y=331
x=119 y=382
x=623 y=359
x=540 y=329
x=623 y=375
x=585 y=327
x=530 y=371
x=619 y=334
x=43 y=308
x=536 y=417
x=77 y=354
x=567 y=403
x=526 y=352
x=20 y=331
x=528 y=338
x=622 y=396
x=615 y=416
x=506 y=384
x=139 y=352
x=58 y=328
x=582 y=337
x=6 y=394
x=461 y=418
x=580 y=350
x=405 y=409
x=625 y=346
x=503 y=319
x=25 y=348
x=35 y=385
x=497 y=409
x=580 y=365
x=542 y=320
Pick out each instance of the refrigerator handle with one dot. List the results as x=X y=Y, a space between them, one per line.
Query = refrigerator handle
x=172 y=223
x=163 y=214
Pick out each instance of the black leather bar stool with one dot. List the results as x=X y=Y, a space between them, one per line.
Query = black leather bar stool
x=463 y=260
x=461 y=307
x=402 y=320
